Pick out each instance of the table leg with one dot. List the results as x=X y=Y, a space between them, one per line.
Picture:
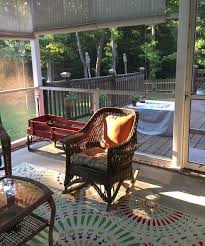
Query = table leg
x=52 y=220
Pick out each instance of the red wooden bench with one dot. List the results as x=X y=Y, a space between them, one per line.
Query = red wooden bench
x=51 y=127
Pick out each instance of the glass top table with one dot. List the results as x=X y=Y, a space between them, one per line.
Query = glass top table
x=18 y=198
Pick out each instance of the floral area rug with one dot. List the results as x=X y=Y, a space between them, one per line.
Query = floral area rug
x=81 y=218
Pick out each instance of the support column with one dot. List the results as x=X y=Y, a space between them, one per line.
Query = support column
x=185 y=52
x=37 y=76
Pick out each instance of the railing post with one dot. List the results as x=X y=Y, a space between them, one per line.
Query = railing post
x=96 y=101
x=113 y=86
x=142 y=71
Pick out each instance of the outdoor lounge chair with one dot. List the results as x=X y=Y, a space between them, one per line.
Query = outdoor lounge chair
x=101 y=153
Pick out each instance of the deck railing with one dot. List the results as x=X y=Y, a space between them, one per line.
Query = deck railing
x=161 y=85
x=86 y=101
x=72 y=103
x=168 y=85
x=57 y=102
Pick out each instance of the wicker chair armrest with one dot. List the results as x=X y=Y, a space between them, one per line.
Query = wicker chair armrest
x=78 y=141
x=73 y=138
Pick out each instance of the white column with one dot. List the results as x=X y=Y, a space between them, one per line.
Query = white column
x=37 y=76
x=185 y=51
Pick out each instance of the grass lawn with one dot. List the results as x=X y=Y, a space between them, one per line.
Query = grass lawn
x=15 y=120
x=84 y=119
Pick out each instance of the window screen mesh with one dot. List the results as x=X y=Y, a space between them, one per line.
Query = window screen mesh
x=16 y=16
x=27 y=16
x=61 y=13
x=64 y=13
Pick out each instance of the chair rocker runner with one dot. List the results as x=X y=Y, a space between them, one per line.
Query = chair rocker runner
x=101 y=153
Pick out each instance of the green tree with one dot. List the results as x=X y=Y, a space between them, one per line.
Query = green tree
x=54 y=48
x=129 y=42
x=15 y=52
x=111 y=48
x=200 y=35
x=93 y=43
x=172 y=6
x=15 y=49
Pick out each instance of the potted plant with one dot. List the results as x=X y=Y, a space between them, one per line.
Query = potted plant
x=142 y=99
x=134 y=100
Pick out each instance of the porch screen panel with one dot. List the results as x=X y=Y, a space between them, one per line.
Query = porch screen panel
x=16 y=17
x=19 y=17
x=53 y=14
x=118 y=10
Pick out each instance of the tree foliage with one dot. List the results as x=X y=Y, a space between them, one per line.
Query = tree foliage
x=157 y=54
x=172 y=6
x=200 y=35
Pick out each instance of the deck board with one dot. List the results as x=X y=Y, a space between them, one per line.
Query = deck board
x=162 y=146
x=158 y=144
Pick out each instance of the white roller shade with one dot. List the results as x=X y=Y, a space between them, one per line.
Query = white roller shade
x=16 y=16
x=30 y=16
x=117 y=10
x=54 y=14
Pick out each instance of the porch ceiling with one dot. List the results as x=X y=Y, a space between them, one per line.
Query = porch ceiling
x=29 y=17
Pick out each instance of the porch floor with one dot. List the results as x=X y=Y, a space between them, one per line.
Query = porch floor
x=184 y=193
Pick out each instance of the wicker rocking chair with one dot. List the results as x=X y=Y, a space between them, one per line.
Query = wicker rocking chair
x=103 y=165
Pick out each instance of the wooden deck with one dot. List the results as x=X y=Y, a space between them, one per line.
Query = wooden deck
x=162 y=146
x=155 y=145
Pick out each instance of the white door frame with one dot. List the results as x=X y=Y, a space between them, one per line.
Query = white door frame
x=187 y=96
x=184 y=65
x=184 y=71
